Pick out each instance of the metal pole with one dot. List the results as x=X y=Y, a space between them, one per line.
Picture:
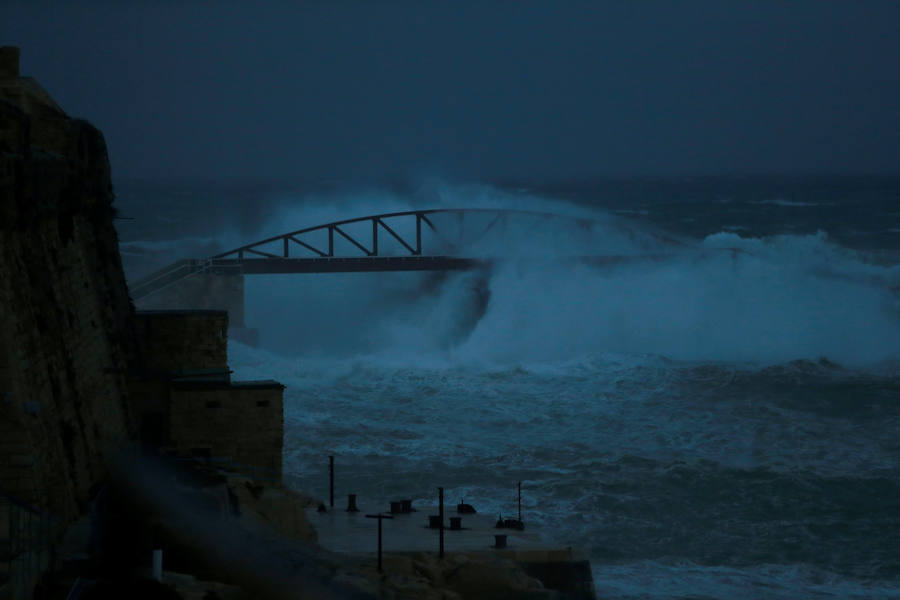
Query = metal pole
x=418 y=234
x=379 y=517
x=441 y=513
x=331 y=480
x=520 y=502
x=375 y=237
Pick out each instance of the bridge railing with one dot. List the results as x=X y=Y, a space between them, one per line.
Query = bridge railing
x=160 y=278
x=178 y=272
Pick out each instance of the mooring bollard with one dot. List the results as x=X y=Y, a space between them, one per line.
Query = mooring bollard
x=406 y=506
x=379 y=516
x=434 y=521
x=396 y=507
x=351 y=503
x=499 y=540
x=455 y=523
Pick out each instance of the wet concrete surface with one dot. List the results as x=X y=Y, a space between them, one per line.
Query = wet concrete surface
x=352 y=532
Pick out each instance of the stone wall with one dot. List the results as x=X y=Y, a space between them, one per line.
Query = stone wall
x=174 y=342
x=243 y=422
x=72 y=350
x=67 y=340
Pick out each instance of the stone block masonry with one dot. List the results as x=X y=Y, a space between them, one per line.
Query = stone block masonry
x=186 y=402
x=174 y=342
x=240 y=423
x=82 y=376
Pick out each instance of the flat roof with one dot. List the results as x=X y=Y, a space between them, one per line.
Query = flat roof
x=221 y=384
x=177 y=312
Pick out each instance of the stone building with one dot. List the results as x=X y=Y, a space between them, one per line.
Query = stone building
x=187 y=404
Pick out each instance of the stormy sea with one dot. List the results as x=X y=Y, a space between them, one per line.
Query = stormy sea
x=711 y=412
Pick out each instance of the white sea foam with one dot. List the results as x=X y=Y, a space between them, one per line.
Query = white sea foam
x=572 y=374
x=572 y=431
x=790 y=203
x=684 y=579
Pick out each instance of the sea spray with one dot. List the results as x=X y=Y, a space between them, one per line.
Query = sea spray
x=760 y=300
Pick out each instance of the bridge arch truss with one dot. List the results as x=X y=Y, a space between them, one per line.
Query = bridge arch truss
x=419 y=240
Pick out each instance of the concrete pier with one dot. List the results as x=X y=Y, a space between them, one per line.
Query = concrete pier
x=561 y=568
x=351 y=532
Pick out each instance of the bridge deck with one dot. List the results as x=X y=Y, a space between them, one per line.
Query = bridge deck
x=277 y=265
x=259 y=266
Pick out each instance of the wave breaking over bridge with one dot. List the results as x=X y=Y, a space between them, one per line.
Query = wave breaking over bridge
x=444 y=239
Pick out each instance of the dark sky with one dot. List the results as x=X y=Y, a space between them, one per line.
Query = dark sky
x=473 y=90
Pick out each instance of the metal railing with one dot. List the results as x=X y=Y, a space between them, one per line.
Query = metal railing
x=26 y=543
x=176 y=273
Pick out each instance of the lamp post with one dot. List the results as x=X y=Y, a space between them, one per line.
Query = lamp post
x=379 y=516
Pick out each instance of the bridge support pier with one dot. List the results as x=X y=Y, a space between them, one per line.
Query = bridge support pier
x=206 y=291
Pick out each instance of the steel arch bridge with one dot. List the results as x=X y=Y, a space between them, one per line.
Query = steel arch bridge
x=412 y=245
x=443 y=239
x=417 y=240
